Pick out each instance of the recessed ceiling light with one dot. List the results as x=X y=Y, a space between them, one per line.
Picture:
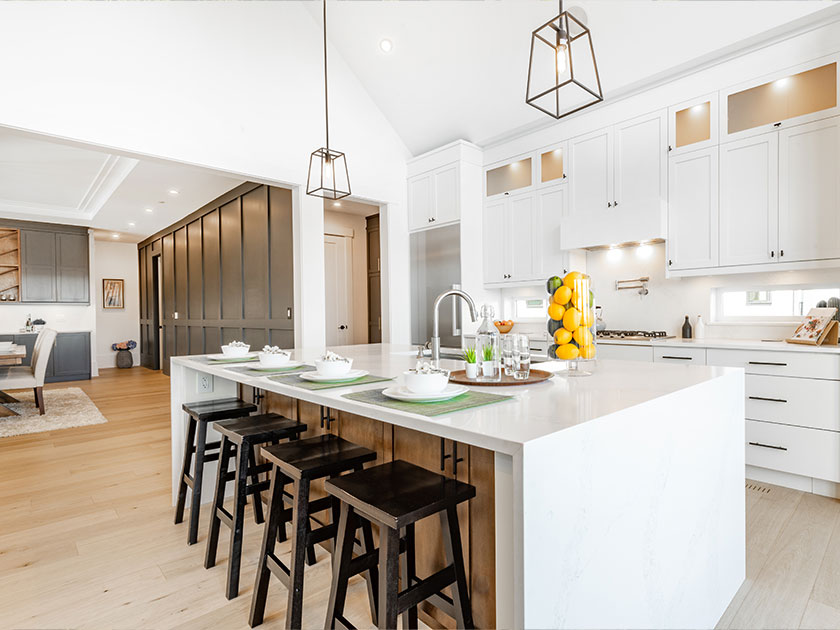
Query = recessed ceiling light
x=173 y=192
x=336 y=204
x=131 y=224
x=149 y=210
x=386 y=45
x=115 y=235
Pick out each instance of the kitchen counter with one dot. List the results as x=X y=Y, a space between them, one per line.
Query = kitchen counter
x=627 y=484
x=726 y=344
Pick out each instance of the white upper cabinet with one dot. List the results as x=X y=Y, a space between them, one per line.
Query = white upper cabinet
x=749 y=200
x=552 y=207
x=507 y=178
x=433 y=198
x=693 y=124
x=496 y=239
x=591 y=158
x=809 y=191
x=523 y=230
x=693 y=210
x=641 y=172
x=791 y=97
x=553 y=165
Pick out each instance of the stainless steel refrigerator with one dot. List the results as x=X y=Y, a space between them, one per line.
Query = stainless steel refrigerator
x=435 y=268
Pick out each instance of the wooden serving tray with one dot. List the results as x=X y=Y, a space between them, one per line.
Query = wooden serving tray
x=536 y=376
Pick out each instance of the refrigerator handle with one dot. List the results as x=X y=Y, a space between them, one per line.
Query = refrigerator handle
x=456 y=314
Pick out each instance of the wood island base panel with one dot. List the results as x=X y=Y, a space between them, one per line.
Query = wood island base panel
x=610 y=501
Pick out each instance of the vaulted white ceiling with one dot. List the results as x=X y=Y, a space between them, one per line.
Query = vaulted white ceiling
x=458 y=68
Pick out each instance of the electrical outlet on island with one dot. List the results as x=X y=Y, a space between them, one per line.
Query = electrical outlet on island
x=204 y=383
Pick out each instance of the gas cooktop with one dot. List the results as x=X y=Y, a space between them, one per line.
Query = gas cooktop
x=634 y=335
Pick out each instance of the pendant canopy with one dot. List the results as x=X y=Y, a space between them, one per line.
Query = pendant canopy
x=562 y=70
x=328 y=176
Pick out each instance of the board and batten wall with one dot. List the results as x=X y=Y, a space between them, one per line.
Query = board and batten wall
x=226 y=274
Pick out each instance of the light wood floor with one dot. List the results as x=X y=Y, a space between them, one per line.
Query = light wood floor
x=87 y=540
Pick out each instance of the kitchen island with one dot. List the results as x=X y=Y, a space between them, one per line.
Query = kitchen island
x=615 y=500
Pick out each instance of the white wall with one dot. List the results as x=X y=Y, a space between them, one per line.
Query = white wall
x=234 y=86
x=116 y=260
x=353 y=226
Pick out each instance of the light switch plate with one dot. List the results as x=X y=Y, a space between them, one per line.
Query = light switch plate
x=204 y=383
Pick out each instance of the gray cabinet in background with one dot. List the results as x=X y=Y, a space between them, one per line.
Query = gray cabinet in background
x=37 y=266
x=71 y=262
x=70 y=357
x=54 y=266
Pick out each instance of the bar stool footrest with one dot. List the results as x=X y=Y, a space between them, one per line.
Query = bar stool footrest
x=425 y=588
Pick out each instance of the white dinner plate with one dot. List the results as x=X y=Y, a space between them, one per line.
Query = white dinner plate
x=401 y=392
x=223 y=357
x=352 y=375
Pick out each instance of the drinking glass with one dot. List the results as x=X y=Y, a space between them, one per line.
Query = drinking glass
x=507 y=354
x=521 y=357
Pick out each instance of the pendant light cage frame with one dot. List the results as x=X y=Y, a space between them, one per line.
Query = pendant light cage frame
x=328 y=176
x=580 y=78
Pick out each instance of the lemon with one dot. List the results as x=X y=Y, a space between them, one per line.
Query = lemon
x=567 y=352
x=583 y=336
x=571 y=318
x=569 y=280
x=556 y=311
x=562 y=336
x=587 y=351
x=562 y=295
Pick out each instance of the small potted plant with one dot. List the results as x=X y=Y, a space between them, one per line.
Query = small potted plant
x=123 y=350
x=471 y=367
x=488 y=365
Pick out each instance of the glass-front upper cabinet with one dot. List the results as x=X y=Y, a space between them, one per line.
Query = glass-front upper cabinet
x=553 y=165
x=807 y=94
x=693 y=124
x=504 y=179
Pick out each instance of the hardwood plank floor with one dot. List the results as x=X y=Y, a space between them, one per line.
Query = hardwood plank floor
x=87 y=540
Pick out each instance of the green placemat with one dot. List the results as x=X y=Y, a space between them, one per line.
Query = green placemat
x=210 y=361
x=297 y=381
x=261 y=371
x=459 y=403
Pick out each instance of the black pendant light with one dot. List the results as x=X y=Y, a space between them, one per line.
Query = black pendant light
x=328 y=176
x=562 y=71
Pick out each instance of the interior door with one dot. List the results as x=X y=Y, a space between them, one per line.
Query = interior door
x=809 y=191
x=693 y=210
x=591 y=184
x=338 y=272
x=749 y=200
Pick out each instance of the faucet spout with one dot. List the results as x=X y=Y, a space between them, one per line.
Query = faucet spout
x=436 y=317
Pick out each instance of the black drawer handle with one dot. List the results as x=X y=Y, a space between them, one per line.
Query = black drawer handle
x=666 y=356
x=782 y=400
x=766 y=363
x=777 y=448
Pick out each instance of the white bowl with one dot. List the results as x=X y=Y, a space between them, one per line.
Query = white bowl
x=270 y=360
x=235 y=351
x=426 y=383
x=333 y=368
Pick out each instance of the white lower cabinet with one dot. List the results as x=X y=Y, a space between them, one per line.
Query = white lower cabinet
x=684 y=356
x=804 y=402
x=797 y=450
x=624 y=352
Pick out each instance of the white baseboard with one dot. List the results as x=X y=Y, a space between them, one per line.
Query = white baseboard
x=795 y=482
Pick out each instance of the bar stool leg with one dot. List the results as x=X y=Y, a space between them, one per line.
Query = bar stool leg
x=300 y=527
x=275 y=499
x=371 y=576
x=198 y=478
x=389 y=567
x=257 y=496
x=408 y=572
x=189 y=441
x=455 y=556
x=345 y=541
x=240 y=495
x=226 y=450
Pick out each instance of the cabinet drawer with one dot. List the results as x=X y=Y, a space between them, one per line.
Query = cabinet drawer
x=803 y=402
x=624 y=353
x=802 y=364
x=797 y=450
x=687 y=356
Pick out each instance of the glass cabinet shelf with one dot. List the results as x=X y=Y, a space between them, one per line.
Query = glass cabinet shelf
x=551 y=166
x=509 y=177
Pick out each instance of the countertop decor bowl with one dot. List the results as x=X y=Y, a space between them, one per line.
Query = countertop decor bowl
x=333 y=368
x=503 y=328
x=235 y=351
x=420 y=383
x=270 y=360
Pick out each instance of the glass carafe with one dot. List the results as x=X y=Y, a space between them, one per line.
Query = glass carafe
x=487 y=347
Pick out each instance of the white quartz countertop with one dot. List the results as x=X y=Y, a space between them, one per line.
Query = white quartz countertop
x=730 y=344
x=536 y=411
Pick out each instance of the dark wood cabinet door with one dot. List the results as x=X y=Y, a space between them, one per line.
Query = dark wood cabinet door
x=72 y=276
x=37 y=266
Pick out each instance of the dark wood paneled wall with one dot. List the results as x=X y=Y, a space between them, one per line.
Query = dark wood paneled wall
x=227 y=272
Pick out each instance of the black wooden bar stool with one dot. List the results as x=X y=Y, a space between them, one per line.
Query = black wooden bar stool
x=240 y=437
x=198 y=415
x=300 y=462
x=395 y=496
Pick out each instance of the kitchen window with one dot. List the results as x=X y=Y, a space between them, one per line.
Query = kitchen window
x=769 y=305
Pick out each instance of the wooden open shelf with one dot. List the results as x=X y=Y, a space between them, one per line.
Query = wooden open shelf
x=9 y=265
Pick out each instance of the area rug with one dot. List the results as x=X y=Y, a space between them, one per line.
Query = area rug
x=66 y=408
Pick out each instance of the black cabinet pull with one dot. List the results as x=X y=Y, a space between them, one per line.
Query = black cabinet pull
x=670 y=148
x=609 y=204
x=781 y=253
x=666 y=356
x=615 y=204
x=781 y=400
x=778 y=124
x=766 y=363
x=775 y=448
x=670 y=262
x=772 y=254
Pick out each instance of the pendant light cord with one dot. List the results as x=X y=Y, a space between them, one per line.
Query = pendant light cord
x=326 y=89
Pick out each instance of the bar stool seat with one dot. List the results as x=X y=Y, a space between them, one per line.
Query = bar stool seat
x=240 y=438
x=395 y=496
x=300 y=462
x=198 y=449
